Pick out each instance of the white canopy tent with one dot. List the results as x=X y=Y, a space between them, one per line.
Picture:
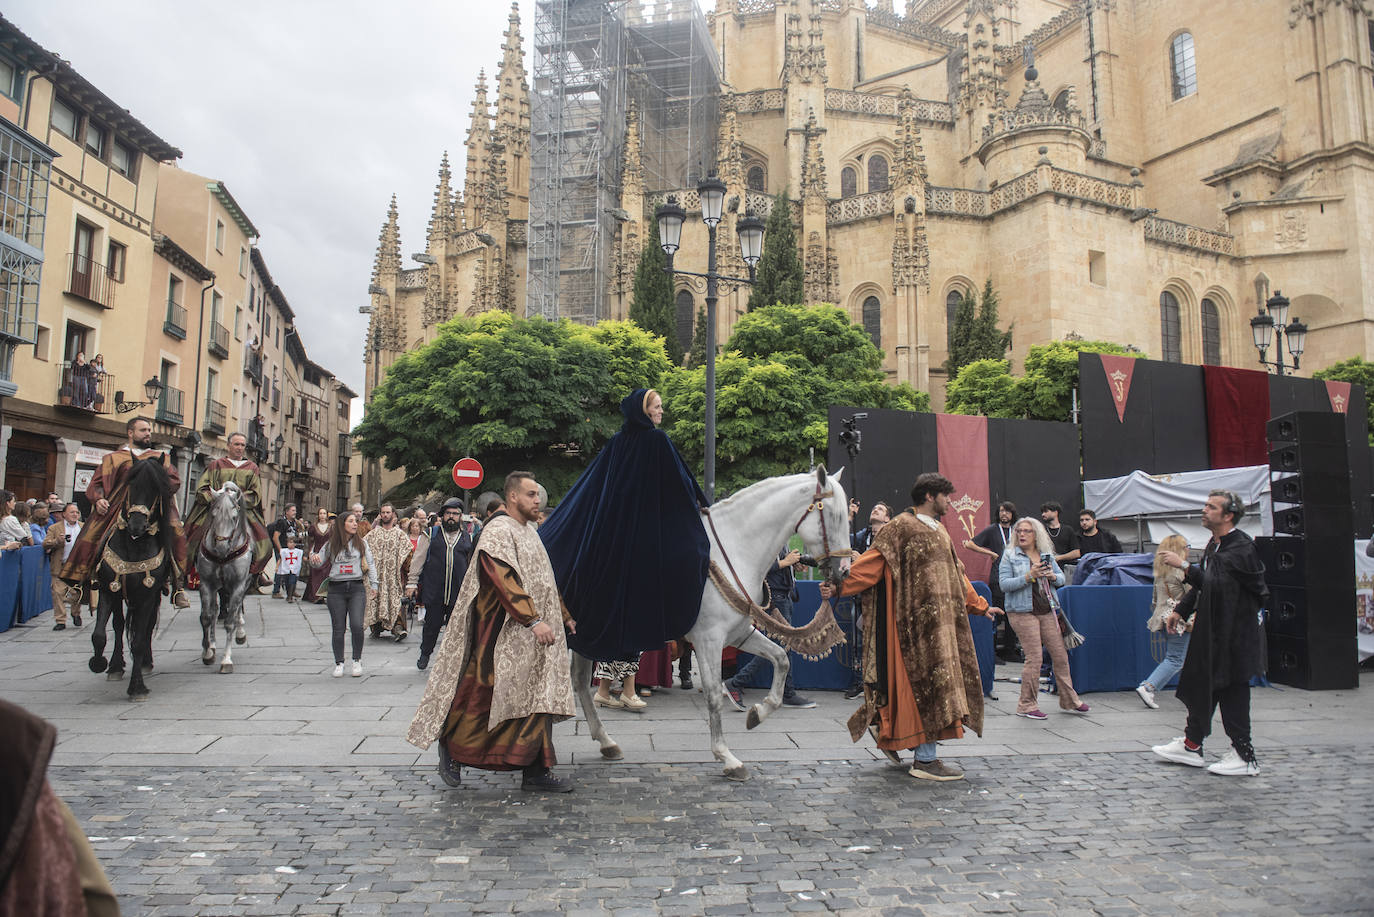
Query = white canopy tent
x=1149 y=507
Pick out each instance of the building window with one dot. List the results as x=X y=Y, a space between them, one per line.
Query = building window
x=114 y=261
x=219 y=236
x=685 y=314
x=77 y=335
x=1061 y=100
x=64 y=119
x=216 y=308
x=1211 y=333
x=11 y=79
x=1170 y=337
x=23 y=189
x=122 y=159
x=755 y=180
x=873 y=320
x=238 y=323
x=849 y=181
x=877 y=173
x=42 y=342
x=952 y=300
x=1182 y=66
x=1097 y=268
x=95 y=139
x=243 y=261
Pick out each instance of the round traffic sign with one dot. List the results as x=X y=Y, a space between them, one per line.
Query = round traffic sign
x=467 y=473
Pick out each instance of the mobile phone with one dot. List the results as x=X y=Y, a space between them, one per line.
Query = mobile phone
x=1045 y=559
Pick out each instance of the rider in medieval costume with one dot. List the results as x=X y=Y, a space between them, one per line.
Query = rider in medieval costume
x=921 y=681
x=390 y=547
x=627 y=542
x=108 y=492
x=500 y=679
x=243 y=472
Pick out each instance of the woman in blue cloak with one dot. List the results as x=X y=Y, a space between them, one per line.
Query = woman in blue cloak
x=627 y=543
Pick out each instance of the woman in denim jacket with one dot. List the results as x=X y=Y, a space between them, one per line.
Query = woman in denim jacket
x=1020 y=573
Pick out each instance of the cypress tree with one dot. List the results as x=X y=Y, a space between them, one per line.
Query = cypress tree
x=779 y=276
x=652 y=307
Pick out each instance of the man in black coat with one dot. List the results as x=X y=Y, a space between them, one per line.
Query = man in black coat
x=1227 y=648
x=436 y=573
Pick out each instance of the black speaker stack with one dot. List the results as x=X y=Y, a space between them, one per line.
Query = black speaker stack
x=1309 y=562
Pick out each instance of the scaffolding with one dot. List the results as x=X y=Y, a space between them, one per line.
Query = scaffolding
x=591 y=57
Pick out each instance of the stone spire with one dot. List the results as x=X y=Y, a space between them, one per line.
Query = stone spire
x=512 y=88
x=388 y=263
x=803 y=54
x=627 y=243
x=441 y=223
x=982 y=89
x=820 y=262
x=479 y=133
x=909 y=164
x=813 y=167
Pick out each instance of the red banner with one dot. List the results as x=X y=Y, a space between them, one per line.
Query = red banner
x=1339 y=393
x=1237 y=411
x=962 y=444
x=1118 y=371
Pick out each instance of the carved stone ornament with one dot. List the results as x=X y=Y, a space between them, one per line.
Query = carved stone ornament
x=1292 y=230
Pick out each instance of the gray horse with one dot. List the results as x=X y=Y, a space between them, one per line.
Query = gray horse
x=222 y=561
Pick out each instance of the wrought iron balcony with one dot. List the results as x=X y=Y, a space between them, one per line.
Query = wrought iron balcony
x=219 y=340
x=85 y=388
x=169 y=405
x=252 y=366
x=90 y=280
x=175 y=322
x=257 y=444
x=215 y=414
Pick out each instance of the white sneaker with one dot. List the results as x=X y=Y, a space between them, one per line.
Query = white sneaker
x=1147 y=696
x=1179 y=753
x=338 y=670
x=1233 y=765
x=357 y=668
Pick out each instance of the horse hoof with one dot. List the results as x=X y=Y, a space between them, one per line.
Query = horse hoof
x=138 y=697
x=240 y=638
x=737 y=774
x=226 y=668
x=209 y=657
x=753 y=719
x=612 y=753
x=98 y=664
x=114 y=675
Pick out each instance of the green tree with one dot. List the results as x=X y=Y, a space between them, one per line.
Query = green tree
x=1359 y=371
x=983 y=387
x=782 y=369
x=697 y=356
x=513 y=393
x=1045 y=390
x=975 y=335
x=779 y=275
x=653 y=308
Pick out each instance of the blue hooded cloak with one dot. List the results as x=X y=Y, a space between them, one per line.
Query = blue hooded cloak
x=627 y=543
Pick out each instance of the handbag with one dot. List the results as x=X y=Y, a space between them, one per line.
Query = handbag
x=1040 y=603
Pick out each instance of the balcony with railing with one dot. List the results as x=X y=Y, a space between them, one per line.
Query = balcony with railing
x=257 y=444
x=215 y=414
x=90 y=280
x=175 y=322
x=219 y=340
x=85 y=388
x=169 y=405
x=252 y=366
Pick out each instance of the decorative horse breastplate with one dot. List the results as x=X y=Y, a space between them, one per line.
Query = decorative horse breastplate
x=122 y=568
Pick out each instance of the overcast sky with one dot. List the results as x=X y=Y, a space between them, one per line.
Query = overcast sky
x=312 y=113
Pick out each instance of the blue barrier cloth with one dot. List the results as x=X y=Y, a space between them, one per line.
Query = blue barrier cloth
x=24 y=586
x=1115 y=570
x=1116 y=653
x=984 y=630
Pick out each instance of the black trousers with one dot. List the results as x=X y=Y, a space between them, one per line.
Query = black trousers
x=1234 y=701
x=435 y=618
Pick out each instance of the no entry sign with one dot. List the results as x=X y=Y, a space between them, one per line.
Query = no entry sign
x=467 y=473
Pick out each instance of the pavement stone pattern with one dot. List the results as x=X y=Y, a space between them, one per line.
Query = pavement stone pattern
x=280 y=790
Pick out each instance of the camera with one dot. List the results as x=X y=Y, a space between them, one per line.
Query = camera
x=851 y=437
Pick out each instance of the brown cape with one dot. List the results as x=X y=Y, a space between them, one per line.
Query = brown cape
x=111 y=481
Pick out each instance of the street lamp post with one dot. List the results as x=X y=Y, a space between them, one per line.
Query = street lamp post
x=152 y=390
x=749 y=228
x=1273 y=319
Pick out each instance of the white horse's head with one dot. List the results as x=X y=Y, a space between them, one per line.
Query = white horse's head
x=824 y=528
x=229 y=496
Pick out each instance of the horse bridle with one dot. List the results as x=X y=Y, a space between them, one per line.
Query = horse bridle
x=241 y=529
x=817 y=505
x=123 y=522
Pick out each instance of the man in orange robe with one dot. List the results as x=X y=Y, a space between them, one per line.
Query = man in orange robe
x=920 y=675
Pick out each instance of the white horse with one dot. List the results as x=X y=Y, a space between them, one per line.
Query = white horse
x=222 y=561
x=747 y=530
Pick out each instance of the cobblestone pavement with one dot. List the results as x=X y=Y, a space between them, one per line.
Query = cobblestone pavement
x=280 y=790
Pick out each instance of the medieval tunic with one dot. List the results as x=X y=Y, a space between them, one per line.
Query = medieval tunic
x=319 y=539
x=243 y=473
x=920 y=676
x=390 y=549
x=493 y=691
x=111 y=482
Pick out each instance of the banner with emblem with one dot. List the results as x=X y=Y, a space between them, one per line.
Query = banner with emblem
x=1339 y=393
x=962 y=446
x=1118 y=371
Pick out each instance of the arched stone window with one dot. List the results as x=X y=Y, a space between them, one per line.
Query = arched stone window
x=877 y=173
x=849 y=181
x=686 y=315
x=1211 y=333
x=1170 y=336
x=1061 y=100
x=873 y=320
x=754 y=179
x=1182 y=65
x=951 y=309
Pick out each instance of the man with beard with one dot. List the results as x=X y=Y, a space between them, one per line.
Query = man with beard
x=921 y=681
x=243 y=472
x=437 y=572
x=501 y=678
x=107 y=492
x=390 y=546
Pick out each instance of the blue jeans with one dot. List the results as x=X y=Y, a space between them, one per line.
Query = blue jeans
x=925 y=752
x=741 y=678
x=1176 y=650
